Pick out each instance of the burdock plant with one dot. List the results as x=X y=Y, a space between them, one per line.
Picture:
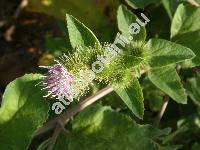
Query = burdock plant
x=151 y=62
x=136 y=56
x=68 y=71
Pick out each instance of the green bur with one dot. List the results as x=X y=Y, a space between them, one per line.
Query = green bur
x=118 y=71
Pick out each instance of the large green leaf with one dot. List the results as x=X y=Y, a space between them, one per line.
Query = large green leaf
x=125 y=18
x=191 y=40
x=141 y=3
x=133 y=98
x=99 y=128
x=170 y=6
x=22 y=112
x=164 y=52
x=167 y=79
x=193 y=89
x=186 y=19
x=185 y=30
x=79 y=34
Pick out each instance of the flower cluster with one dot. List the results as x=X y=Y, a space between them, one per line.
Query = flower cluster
x=58 y=81
x=112 y=64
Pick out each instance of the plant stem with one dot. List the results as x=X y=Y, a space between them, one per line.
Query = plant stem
x=73 y=111
x=56 y=133
x=9 y=32
x=162 y=110
x=64 y=118
x=22 y=5
x=193 y=2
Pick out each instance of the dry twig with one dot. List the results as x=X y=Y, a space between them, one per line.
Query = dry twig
x=193 y=2
x=162 y=110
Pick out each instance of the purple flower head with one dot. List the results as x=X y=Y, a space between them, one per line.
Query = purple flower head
x=58 y=82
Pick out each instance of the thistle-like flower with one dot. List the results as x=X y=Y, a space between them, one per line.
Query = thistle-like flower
x=58 y=82
x=72 y=75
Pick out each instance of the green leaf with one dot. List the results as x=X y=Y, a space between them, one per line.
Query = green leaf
x=164 y=52
x=190 y=40
x=99 y=128
x=79 y=34
x=125 y=18
x=140 y=3
x=170 y=6
x=186 y=19
x=173 y=135
x=193 y=90
x=22 y=112
x=132 y=96
x=185 y=30
x=167 y=79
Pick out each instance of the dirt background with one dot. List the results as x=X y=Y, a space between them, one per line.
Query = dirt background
x=22 y=36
